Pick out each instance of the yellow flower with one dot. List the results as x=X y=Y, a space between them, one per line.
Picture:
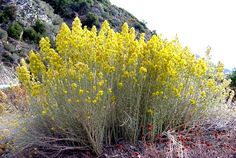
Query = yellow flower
x=44 y=112
x=210 y=83
x=36 y=89
x=203 y=94
x=101 y=83
x=120 y=85
x=62 y=40
x=100 y=93
x=143 y=70
x=94 y=101
x=88 y=100
x=65 y=91
x=109 y=90
x=100 y=75
x=81 y=92
x=126 y=74
x=193 y=101
x=113 y=98
x=23 y=73
x=157 y=93
x=74 y=86
x=150 y=111
x=112 y=69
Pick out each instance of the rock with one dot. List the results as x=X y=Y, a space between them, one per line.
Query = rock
x=1 y=152
x=3 y=34
x=28 y=11
x=3 y=146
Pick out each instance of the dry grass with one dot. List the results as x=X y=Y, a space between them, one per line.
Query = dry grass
x=17 y=98
x=12 y=96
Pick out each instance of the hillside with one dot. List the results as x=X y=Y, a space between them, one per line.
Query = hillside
x=24 y=22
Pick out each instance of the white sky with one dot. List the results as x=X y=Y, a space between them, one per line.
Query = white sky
x=198 y=23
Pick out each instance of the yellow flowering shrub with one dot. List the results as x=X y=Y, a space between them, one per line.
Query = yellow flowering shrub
x=99 y=86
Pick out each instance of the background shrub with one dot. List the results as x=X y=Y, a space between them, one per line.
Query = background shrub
x=139 y=27
x=232 y=76
x=91 y=20
x=10 y=12
x=31 y=35
x=3 y=18
x=81 y=7
x=98 y=88
x=57 y=20
x=15 y=30
x=40 y=27
x=7 y=13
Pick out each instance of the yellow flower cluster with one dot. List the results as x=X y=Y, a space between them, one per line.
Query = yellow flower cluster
x=103 y=68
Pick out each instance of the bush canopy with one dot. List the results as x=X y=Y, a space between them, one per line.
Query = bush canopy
x=97 y=87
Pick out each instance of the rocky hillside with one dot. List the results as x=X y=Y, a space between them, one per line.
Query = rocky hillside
x=24 y=22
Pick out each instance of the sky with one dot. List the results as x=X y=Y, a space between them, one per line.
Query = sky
x=197 y=23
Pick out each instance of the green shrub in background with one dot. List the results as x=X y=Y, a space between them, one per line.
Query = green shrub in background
x=15 y=30
x=91 y=19
x=3 y=18
x=232 y=76
x=57 y=20
x=66 y=8
x=8 y=13
x=139 y=27
x=80 y=7
x=31 y=35
x=39 y=27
